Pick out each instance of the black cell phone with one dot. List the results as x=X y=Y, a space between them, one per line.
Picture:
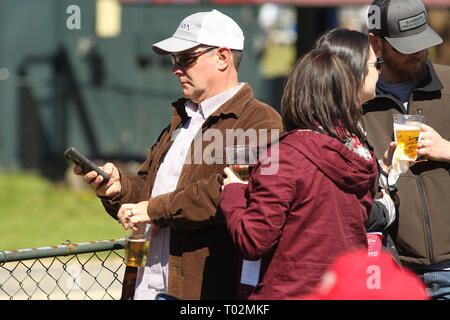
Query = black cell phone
x=87 y=165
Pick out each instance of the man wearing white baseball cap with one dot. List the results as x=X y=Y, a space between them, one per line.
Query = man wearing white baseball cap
x=174 y=196
x=410 y=84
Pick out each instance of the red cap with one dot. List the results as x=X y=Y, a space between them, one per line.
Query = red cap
x=356 y=276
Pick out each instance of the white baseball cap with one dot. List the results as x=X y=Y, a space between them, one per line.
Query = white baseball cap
x=211 y=28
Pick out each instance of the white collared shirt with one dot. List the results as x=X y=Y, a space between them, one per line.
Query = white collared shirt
x=153 y=278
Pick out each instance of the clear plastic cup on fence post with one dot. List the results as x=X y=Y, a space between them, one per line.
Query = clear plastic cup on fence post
x=136 y=247
x=239 y=157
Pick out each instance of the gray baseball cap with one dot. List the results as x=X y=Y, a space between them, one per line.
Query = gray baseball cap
x=402 y=23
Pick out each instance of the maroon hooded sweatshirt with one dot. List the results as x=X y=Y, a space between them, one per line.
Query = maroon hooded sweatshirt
x=299 y=211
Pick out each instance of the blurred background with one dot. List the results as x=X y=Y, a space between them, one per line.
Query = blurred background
x=82 y=73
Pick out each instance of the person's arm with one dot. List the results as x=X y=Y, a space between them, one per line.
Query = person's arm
x=119 y=187
x=95 y=180
x=188 y=207
x=256 y=213
x=129 y=191
x=432 y=145
x=195 y=205
x=382 y=214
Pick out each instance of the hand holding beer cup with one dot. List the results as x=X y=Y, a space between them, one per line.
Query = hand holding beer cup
x=432 y=145
x=407 y=135
x=133 y=215
x=239 y=157
x=231 y=177
x=134 y=218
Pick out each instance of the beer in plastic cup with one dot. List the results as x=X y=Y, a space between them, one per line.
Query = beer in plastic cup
x=407 y=135
x=136 y=248
x=239 y=157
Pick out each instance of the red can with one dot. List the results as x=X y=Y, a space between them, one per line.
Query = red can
x=374 y=243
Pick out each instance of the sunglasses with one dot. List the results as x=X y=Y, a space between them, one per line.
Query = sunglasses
x=185 y=60
x=377 y=64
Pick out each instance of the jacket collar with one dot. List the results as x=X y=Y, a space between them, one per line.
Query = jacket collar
x=431 y=87
x=432 y=83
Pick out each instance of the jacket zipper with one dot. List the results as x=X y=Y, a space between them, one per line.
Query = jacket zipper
x=429 y=243
x=426 y=215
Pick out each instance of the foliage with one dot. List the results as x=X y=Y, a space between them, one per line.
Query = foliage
x=35 y=212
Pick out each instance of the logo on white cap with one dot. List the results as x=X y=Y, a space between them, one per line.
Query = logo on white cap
x=211 y=28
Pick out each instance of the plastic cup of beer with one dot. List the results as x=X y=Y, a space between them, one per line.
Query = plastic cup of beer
x=136 y=248
x=239 y=157
x=407 y=133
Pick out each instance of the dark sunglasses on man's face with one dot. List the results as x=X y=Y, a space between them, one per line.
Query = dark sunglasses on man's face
x=185 y=60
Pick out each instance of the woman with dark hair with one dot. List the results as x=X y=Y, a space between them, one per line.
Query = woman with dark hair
x=353 y=47
x=313 y=208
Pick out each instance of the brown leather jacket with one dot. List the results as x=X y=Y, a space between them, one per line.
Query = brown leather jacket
x=423 y=208
x=203 y=263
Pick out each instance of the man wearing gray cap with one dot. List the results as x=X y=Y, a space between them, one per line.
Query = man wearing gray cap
x=177 y=190
x=410 y=84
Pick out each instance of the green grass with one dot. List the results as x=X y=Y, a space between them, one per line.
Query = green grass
x=35 y=212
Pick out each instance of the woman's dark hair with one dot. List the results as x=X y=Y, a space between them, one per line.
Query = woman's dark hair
x=320 y=95
x=352 y=47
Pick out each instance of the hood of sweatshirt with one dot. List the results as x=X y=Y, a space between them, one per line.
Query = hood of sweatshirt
x=348 y=170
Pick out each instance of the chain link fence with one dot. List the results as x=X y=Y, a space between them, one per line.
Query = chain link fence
x=83 y=271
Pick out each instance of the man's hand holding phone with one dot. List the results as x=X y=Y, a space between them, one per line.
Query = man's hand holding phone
x=105 y=181
x=111 y=188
